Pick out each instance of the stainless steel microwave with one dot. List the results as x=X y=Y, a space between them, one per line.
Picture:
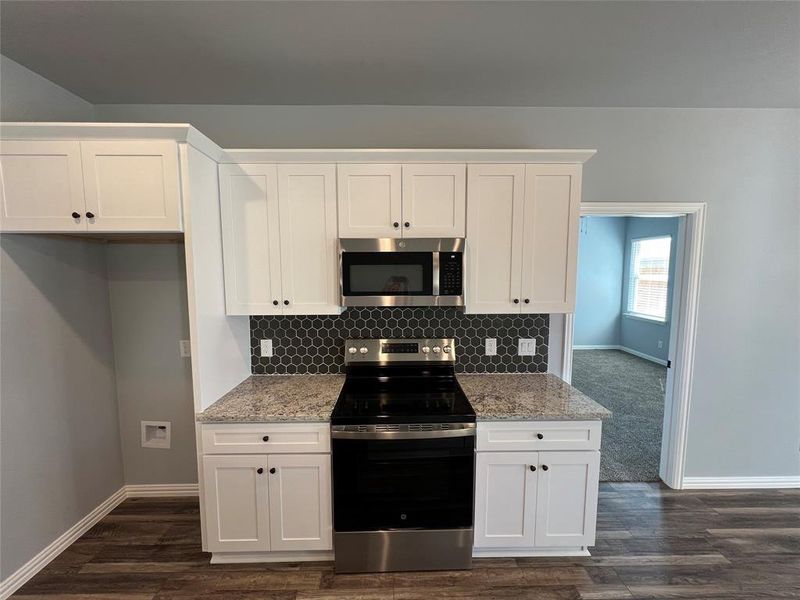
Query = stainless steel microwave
x=402 y=272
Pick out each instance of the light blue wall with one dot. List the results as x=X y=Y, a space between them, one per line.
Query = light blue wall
x=600 y=267
x=637 y=334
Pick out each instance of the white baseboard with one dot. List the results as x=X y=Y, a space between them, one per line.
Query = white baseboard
x=22 y=575
x=740 y=483
x=659 y=361
x=224 y=558
x=161 y=490
x=517 y=552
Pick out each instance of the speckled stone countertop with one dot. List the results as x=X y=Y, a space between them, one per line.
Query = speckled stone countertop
x=274 y=398
x=528 y=398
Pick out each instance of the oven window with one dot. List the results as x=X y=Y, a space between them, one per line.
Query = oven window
x=403 y=484
x=387 y=274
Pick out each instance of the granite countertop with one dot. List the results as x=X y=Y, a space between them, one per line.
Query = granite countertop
x=287 y=398
x=275 y=398
x=528 y=398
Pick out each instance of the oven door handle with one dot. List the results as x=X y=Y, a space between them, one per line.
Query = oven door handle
x=340 y=432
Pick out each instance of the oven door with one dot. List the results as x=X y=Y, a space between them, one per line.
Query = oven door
x=403 y=484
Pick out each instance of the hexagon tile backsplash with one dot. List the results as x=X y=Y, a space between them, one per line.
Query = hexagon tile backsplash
x=315 y=344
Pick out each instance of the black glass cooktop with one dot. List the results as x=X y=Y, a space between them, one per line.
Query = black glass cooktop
x=401 y=394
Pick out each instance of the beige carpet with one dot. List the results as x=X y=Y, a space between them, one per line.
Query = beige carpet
x=633 y=389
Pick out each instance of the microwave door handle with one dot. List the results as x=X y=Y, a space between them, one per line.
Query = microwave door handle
x=435 y=274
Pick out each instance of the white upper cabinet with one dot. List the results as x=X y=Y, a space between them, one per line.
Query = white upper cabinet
x=522 y=236
x=566 y=499
x=434 y=200
x=309 y=261
x=250 y=239
x=132 y=185
x=494 y=237
x=300 y=502
x=552 y=213
x=112 y=186
x=279 y=239
x=41 y=186
x=369 y=200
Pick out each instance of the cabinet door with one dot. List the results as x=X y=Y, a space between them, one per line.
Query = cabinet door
x=41 y=185
x=434 y=200
x=250 y=239
x=300 y=501
x=369 y=201
x=494 y=238
x=566 y=506
x=309 y=263
x=550 y=256
x=235 y=494
x=132 y=185
x=505 y=499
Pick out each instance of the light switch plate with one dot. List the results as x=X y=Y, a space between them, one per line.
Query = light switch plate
x=527 y=347
x=266 y=348
x=491 y=347
x=186 y=348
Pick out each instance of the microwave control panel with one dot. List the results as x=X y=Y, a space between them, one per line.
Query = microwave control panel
x=451 y=276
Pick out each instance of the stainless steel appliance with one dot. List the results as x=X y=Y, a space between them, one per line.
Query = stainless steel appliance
x=402 y=272
x=403 y=452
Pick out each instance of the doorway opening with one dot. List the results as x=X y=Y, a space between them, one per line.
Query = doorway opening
x=630 y=343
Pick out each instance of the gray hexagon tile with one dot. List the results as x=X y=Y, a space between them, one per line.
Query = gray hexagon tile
x=314 y=344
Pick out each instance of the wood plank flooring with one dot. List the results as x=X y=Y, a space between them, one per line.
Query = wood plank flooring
x=652 y=543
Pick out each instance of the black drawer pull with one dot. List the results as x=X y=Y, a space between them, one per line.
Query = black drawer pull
x=265 y=438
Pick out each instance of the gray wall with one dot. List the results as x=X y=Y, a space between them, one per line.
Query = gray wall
x=27 y=96
x=745 y=414
x=149 y=316
x=59 y=427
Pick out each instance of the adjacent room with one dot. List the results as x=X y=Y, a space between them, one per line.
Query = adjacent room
x=399 y=300
x=621 y=344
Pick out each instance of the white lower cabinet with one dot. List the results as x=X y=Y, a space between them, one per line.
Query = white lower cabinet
x=535 y=502
x=236 y=506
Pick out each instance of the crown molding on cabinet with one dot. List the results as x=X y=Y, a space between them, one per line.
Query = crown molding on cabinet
x=386 y=155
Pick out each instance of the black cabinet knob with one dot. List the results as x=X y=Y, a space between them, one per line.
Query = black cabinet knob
x=540 y=436
x=527 y=301
x=533 y=468
x=516 y=300
x=407 y=224
x=265 y=438
x=396 y=224
x=76 y=215
x=272 y=470
x=275 y=302
x=90 y=215
x=545 y=467
x=286 y=302
x=259 y=470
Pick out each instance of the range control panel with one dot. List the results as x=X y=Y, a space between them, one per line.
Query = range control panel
x=386 y=351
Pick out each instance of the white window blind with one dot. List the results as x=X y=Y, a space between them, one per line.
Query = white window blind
x=649 y=277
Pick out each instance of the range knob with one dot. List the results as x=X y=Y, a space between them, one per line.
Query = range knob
x=426 y=349
x=447 y=349
x=363 y=349
x=352 y=349
x=436 y=350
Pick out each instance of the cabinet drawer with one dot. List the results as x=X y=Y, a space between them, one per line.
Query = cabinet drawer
x=496 y=436
x=266 y=438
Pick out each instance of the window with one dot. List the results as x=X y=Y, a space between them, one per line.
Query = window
x=648 y=280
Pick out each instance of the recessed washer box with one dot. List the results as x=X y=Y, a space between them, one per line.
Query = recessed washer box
x=156 y=434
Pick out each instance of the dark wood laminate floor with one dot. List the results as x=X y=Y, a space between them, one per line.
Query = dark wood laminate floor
x=652 y=543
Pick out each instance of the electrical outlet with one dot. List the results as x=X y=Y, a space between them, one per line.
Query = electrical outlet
x=185 y=347
x=526 y=347
x=491 y=347
x=266 y=348
x=660 y=343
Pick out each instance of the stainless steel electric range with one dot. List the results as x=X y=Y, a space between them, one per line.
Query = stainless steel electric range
x=403 y=445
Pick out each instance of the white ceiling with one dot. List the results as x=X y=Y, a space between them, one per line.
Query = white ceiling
x=647 y=54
